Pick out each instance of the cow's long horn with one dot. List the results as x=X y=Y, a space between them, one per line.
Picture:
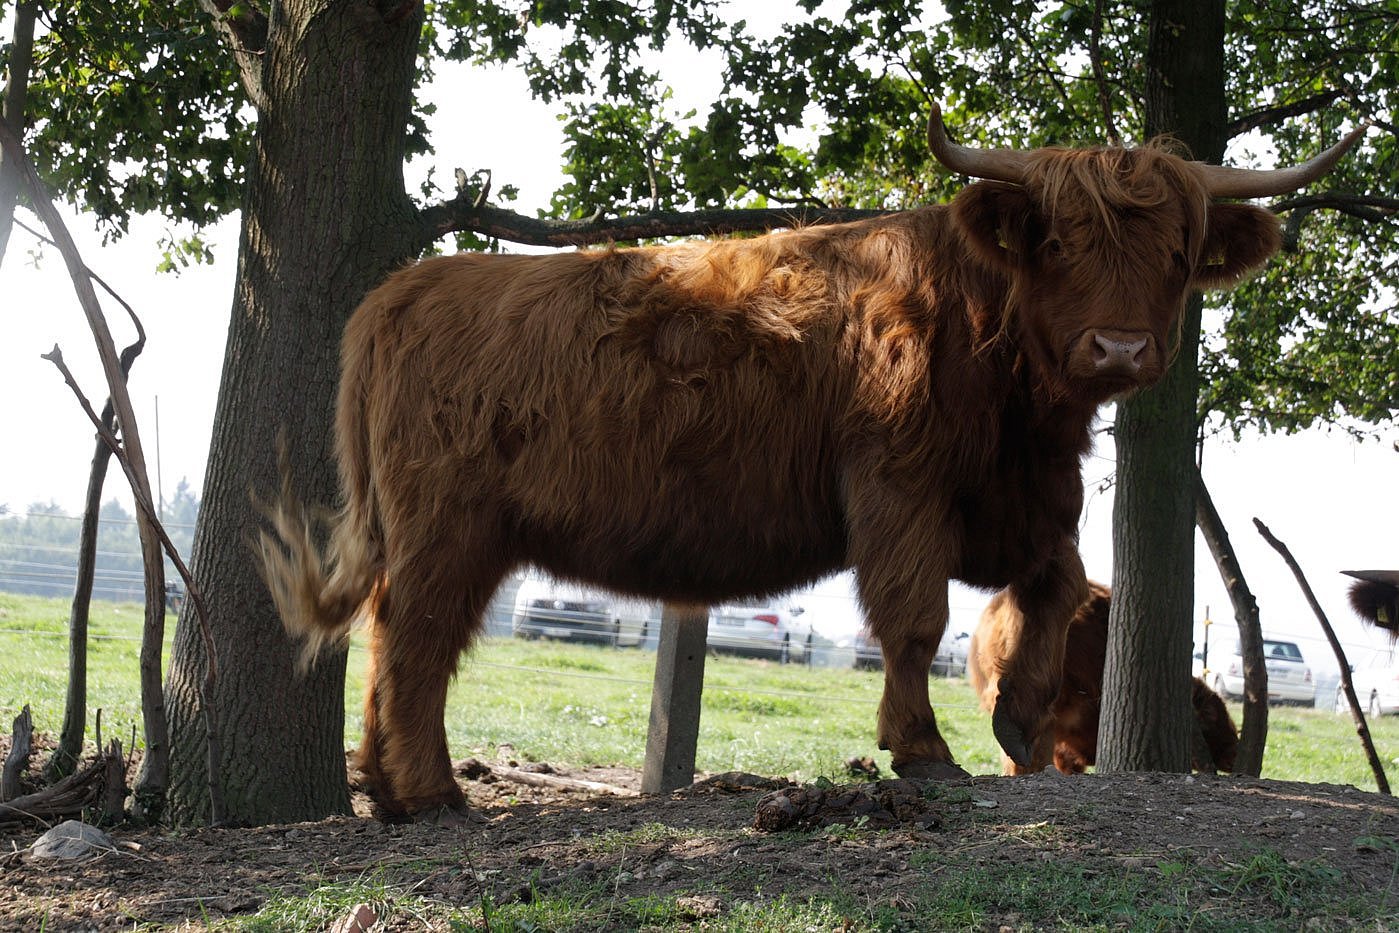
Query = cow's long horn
x=1226 y=182
x=996 y=164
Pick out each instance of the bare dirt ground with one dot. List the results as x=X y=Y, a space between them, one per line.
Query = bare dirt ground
x=881 y=849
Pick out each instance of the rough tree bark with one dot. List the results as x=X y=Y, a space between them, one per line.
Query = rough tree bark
x=326 y=216
x=1146 y=719
x=12 y=112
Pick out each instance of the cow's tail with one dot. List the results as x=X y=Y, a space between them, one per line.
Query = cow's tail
x=320 y=594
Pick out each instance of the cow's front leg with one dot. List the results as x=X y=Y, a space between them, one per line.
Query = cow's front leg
x=909 y=620
x=1034 y=670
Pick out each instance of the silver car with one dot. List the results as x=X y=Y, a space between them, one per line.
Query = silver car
x=760 y=630
x=1289 y=676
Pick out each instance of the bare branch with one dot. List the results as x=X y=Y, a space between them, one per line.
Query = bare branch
x=460 y=216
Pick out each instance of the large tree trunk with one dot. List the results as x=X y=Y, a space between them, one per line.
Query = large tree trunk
x=1146 y=720
x=326 y=217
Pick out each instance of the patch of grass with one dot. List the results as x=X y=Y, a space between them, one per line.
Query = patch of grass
x=614 y=841
x=589 y=704
x=595 y=907
x=327 y=903
x=34 y=662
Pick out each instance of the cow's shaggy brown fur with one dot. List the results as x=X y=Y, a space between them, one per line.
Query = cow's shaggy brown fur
x=907 y=396
x=1071 y=741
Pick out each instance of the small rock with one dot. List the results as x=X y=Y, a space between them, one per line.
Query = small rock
x=700 y=906
x=1297 y=815
x=71 y=840
x=862 y=767
x=360 y=918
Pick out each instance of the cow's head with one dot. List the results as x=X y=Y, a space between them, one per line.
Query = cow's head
x=1102 y=246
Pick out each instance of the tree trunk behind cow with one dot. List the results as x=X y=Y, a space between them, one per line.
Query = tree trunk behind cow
x=1146 y=719
x=325 y=218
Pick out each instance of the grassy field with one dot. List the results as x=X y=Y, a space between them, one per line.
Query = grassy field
x=583 y=705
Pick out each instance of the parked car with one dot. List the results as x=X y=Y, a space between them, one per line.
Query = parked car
x=546 y=608
x=1377 y=689
x=760 y=630
x=1289 y=676
x=950 y=660
x=868 y=655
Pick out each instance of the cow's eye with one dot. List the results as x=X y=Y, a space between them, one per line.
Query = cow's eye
x=1054 y=247
x=1179 y=261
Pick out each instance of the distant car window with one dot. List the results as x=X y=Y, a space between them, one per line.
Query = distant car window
x=1282 y=649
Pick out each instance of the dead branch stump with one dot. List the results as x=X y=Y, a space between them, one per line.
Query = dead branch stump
x=17 y=760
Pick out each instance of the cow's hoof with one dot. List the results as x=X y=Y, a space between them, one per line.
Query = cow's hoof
x=930 y=771
x=446 y=816
x=1012 y=738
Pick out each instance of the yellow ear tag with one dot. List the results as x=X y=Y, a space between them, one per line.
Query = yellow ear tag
x=1218 y=259
x=1001 y=240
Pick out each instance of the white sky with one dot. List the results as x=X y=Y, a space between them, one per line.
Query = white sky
x=1331 y=500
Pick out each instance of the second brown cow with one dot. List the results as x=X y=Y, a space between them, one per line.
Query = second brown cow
x=1071 y=741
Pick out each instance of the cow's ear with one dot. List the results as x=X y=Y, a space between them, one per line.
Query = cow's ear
x=998 y=221
x=1239 y=238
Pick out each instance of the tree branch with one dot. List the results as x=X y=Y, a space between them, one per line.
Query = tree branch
x=1272 y=115
x=245 y=34
x=461 y=216
x=12 y=111
x=1095 y=52
x=1366 y=207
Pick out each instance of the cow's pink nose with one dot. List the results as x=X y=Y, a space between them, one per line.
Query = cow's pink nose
x=1111 y=353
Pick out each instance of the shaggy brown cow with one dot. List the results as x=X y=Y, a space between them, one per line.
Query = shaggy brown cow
x=1375 y=598
x=1071 y=740
x=908 y=396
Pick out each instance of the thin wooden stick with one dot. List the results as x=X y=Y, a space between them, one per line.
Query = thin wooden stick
x=1361 y=728
x=196 y=596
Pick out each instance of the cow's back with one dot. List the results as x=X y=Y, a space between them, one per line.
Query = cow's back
x=635 y=417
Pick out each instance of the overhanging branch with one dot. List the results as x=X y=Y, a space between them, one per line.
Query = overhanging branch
x=1367 y=207
x=1271 y=115
x=459 y=216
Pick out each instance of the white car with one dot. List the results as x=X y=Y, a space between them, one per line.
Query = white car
x=762 y=630
x=1289 y=676
x=1377 y=689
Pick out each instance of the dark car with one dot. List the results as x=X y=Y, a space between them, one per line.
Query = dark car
x=550 y=609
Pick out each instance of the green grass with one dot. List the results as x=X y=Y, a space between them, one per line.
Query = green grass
x=583 y=705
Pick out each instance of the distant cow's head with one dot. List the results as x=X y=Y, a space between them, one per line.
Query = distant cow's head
x=1102 y=246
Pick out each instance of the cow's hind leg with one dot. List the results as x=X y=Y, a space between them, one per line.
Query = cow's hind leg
x=429 y=612
x=1033 y=673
